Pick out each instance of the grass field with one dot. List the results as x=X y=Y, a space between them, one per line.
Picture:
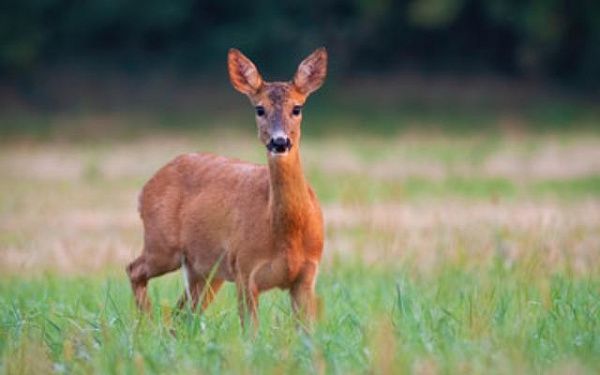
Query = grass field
x=472 y=253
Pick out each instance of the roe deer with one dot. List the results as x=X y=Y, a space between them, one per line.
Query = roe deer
x=227 y=220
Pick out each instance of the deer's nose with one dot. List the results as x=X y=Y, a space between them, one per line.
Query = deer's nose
x=279 y=144
x=280 y=141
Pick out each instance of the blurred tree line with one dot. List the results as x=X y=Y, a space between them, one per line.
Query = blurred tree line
x=547 y=39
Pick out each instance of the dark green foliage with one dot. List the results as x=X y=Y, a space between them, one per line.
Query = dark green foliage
x=557 y=39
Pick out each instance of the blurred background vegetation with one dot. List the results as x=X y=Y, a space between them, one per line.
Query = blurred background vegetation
x=553 y=39
x=450 y=62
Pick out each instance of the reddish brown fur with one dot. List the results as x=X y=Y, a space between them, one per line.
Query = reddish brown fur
x=258 y=226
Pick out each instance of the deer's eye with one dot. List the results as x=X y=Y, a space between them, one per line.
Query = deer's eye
x=296 y=110
x=260 y=111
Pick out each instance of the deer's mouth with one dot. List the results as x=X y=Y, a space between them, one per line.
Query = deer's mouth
x=279 y=147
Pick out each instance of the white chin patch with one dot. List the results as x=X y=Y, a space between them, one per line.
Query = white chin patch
x=276 y=154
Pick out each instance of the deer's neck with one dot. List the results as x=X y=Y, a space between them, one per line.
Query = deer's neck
x=289 y=198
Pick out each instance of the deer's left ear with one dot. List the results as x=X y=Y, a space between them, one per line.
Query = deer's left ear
x=243 y=74
x=311 y=72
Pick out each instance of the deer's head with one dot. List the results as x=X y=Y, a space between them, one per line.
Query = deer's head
x=278 y=105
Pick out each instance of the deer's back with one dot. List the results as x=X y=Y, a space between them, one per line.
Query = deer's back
x=196 y=201
x=200 y=187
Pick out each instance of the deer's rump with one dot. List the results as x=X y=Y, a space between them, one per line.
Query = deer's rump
x=200 y=207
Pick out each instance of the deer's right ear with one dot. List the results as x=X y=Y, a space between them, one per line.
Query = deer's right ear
x=311 y=72
x=243 y=74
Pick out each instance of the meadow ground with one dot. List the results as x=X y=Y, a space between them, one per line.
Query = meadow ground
x=476 y=252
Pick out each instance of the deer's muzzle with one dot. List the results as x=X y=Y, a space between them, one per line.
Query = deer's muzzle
x=279 y=145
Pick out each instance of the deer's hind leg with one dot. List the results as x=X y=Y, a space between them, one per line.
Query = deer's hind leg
x=148 y=265
x=201 y=290
x=247 y=303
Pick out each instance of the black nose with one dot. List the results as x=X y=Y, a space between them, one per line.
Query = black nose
x=280 y=141
x=279 y=144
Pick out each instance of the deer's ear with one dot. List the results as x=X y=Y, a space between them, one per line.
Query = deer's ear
x=243 y=74
x=311 y=72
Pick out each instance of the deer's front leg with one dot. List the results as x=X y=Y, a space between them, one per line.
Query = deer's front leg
x=302 y=293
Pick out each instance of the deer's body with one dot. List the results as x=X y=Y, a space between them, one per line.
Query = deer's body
x=227 y=220
x=212 y=211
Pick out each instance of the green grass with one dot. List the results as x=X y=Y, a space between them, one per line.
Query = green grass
x=447 y=251
x=357 y=189
x=496 y=319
